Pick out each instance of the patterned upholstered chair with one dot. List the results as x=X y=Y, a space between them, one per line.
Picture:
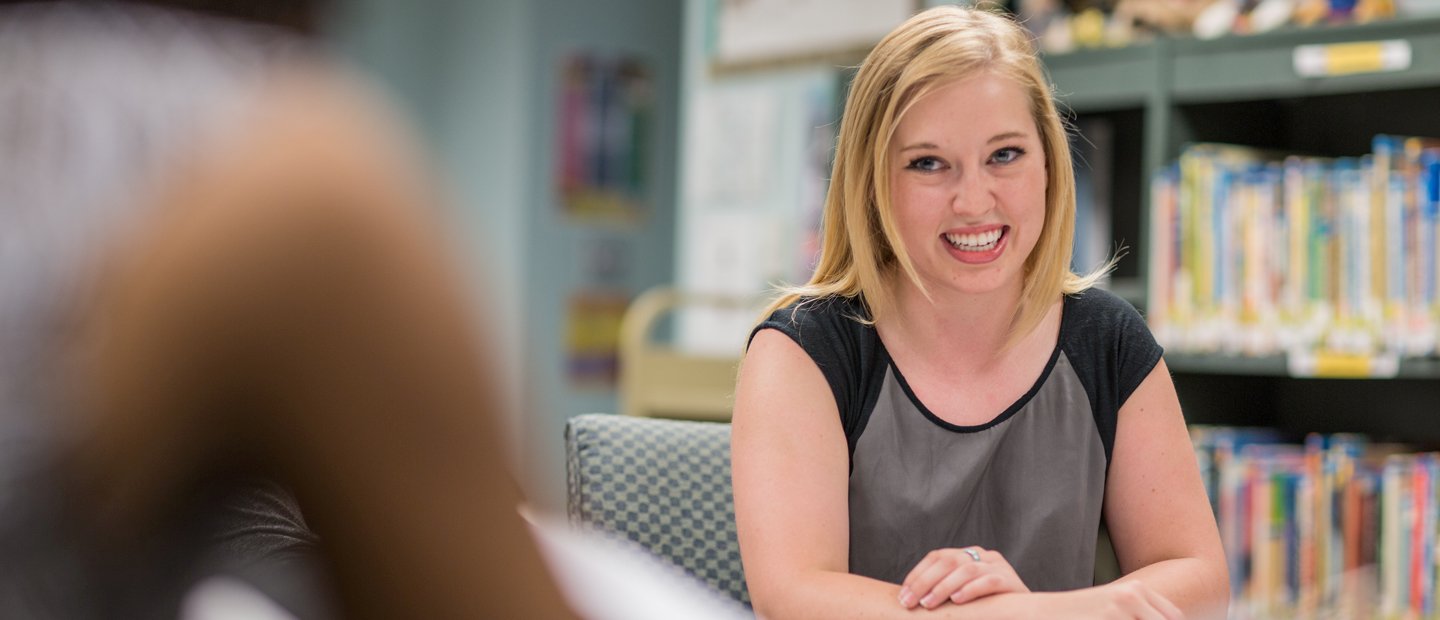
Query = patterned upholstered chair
x=663 y=484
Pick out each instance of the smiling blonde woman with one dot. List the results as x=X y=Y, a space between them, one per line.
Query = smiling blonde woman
x=943 y=417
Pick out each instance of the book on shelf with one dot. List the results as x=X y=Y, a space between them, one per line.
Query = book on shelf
x=1335 y=526
x=1258 y=253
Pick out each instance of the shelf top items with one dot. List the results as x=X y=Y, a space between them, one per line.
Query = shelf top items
x=1387 y=55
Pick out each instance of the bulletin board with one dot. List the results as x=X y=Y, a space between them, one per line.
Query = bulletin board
x=766 y=32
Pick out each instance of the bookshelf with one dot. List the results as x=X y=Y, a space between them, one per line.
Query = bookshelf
x=1159 y=97
x=1162 y=95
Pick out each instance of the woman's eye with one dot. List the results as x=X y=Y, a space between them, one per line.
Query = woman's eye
x=1007 y=155
x=925 y=164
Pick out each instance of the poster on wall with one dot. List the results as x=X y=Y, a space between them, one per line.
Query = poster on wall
x=761 y=32
x=757 y=171
x=592 y=337
x=606 y=113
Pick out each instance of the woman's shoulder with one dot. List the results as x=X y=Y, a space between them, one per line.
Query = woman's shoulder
x=1097 y=308
x=1097 y=321
x=825 y=327
x=830 y=313
x=836 y=334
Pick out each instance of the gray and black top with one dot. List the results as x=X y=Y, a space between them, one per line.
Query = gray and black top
x=1029 y=483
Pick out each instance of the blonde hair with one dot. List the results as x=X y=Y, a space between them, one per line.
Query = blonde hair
x=861 y=243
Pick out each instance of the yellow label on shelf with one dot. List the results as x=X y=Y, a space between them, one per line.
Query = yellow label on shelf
x=1350 y=58
x=1338 y=365
x=1333 y=365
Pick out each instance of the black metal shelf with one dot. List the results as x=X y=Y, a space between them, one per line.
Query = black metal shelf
x=1278 y=366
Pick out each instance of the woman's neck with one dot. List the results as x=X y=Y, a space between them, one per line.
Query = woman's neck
x=955 y=329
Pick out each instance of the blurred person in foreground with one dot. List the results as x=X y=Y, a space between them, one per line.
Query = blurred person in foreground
x=217 y=264
x=941 y=419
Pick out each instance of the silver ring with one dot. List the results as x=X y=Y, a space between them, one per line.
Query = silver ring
x=974 y=555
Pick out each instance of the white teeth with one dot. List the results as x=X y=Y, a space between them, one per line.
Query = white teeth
x=980 y=242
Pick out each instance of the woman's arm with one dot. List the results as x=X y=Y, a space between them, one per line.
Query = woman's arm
x=790 y=466
x=789 y=462
x=1155 y=505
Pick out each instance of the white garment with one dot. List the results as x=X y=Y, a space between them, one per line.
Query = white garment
x=604 y=579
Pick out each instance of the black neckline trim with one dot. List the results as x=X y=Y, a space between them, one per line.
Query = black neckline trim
x=1010 y=411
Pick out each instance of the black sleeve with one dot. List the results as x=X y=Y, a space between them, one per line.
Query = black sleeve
x=261 y=520
x=1113 y=351
x=847 y=351
x=260 y=536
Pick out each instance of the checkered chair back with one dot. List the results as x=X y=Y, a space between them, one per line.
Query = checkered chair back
x=663 y=484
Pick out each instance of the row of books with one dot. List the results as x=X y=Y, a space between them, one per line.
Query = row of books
x=1337 y=526
x=1258 y=253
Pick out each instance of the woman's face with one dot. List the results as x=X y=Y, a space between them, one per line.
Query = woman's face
x=967 y=183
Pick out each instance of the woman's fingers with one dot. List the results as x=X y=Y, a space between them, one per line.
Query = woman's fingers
x=962 y=574
x=980 y=587
x=958 y=575
x=923 y=578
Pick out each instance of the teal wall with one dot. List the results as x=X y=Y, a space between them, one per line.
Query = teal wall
x=557 y=251
x=480 y=80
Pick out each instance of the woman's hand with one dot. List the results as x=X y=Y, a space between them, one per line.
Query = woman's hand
x=959 y=576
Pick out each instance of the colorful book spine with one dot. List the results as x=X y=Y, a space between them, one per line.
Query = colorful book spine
x=1297 y=235
x=1164 y=255
x=1396 y=249
x=1423 y=590
x=1383 y=152
x=1427 y=301
x=1391 y=601
x=1321 y=249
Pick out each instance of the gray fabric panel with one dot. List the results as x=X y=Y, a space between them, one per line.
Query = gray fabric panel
x=664 y=484
x=1030 y=487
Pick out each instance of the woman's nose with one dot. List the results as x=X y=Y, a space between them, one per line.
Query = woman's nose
x=973 y=194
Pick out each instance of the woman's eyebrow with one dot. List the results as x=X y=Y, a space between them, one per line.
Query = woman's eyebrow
x=1006 y=136
x=1001 y=137
x=919 y=146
